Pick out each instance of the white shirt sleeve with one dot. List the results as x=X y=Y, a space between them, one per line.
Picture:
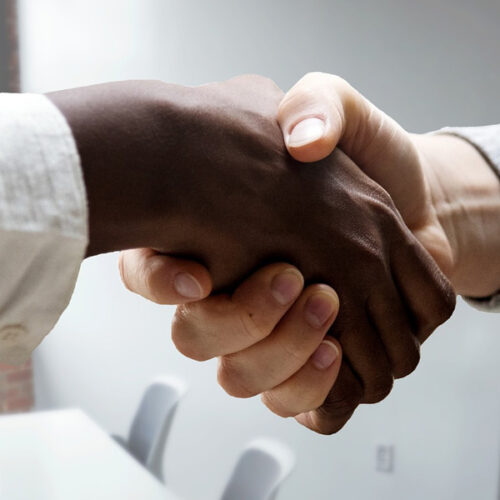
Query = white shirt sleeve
x=486 y=140
x=43 y=221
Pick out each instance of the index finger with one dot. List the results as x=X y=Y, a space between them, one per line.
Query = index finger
x=223 y=324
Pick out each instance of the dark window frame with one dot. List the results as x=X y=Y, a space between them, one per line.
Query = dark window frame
x=9 y=47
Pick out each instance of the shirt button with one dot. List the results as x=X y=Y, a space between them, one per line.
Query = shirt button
x=11 y=333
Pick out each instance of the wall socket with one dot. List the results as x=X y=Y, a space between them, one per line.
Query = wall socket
x=384 y=458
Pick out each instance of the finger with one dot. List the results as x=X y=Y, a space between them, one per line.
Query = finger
x=427 y=292
x=308 y=388
x=339 y=405
x=224 y=324
x=366 y=354
x=163 y=279
x=393 y=325
x=277 y=357
x=323 y=111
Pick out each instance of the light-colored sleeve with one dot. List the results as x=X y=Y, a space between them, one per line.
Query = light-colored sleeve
x=43 y=221
x=487 y=141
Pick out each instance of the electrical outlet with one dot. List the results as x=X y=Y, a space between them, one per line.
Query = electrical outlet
x=384 y=458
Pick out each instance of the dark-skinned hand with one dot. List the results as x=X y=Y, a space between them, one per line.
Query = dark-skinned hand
x=203 y=173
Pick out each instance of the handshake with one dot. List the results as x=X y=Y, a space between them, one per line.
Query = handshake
x=314 y=284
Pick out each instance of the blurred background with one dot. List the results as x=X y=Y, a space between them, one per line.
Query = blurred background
x=426 y=63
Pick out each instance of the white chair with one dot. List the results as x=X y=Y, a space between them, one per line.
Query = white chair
x=260 y=471
x=151 y=425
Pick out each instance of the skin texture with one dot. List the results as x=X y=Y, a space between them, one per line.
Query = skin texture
x=465 y=195
x=266 y=344
x=238 y=201
x=378 y=145
x=445 y=190
x=233 y=327
x=448 y=195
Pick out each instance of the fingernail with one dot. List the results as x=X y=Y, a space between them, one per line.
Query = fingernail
x=306 y=131
x=187 y=286
x=319 y=308
x=286 y=286
x=325 y=355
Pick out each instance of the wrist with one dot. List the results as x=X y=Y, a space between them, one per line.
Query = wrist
x=465 y=196
x=125 y=138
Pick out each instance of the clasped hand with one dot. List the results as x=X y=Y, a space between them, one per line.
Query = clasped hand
x=313 y=290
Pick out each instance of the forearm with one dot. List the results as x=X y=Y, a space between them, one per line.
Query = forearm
x=466 y=197
x=126 y=134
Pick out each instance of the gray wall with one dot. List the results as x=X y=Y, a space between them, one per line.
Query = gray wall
x=428 y=64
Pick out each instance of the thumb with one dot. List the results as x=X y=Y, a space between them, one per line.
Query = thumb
x=163 y=279
x=311 y=118
x=322 y=111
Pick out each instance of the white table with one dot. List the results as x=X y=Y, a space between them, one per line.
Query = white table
x=64 y=455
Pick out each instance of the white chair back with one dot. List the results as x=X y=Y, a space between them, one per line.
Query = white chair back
x=151 y=425
x=260 y=471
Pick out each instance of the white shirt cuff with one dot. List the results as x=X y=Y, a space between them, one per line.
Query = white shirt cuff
x=485 y=139
x=43 y=221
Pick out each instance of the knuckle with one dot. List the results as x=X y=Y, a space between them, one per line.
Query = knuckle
x=150 y=279
x=337 y=408
x=264 y=80
x=331 y=80
x=327 y=428
x=297 y=99
x=379 y=389
x=424 y=329
x=349 y=96
x=277 y=406
x=293 y=351
x=190 y=349
x=230 y=378
x=182 y=322
x=382 y=203
x=448 y=302
x=380 y=206
x=441 y=298
x=341 y=403
x=123 y=274
x=185 y=334
x=313 y=76
x=292 y=402
x=311 y=97
x=337 y=79
x=327 y=423
x=258 y=81
x=406 y=365
x=439 y=311
x=410 y=246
